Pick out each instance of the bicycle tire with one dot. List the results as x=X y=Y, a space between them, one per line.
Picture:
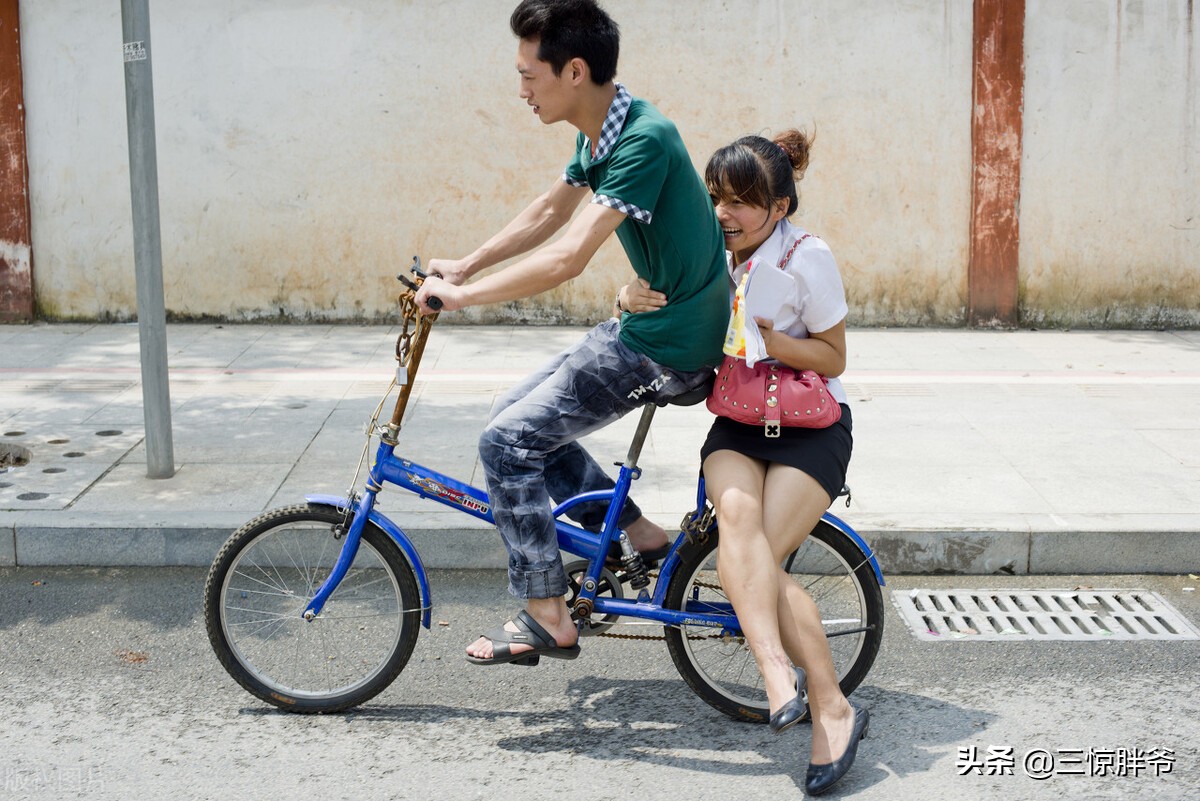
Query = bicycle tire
x=259 y=586
x=722 y=671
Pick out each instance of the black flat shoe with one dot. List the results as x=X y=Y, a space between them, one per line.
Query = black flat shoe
x=791 y=712
x=821 y=777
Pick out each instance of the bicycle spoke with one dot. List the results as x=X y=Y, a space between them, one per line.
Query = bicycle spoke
x=343 y=651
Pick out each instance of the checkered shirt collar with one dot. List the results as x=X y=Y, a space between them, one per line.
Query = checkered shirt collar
x=614 y=121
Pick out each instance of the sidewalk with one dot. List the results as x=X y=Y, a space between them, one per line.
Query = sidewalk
x=976 y=451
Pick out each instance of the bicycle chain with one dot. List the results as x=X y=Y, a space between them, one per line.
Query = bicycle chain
x=656 y=636
x=630 y=636
x=654 y=575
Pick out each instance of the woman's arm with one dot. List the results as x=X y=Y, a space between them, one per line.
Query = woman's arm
x=822 y=351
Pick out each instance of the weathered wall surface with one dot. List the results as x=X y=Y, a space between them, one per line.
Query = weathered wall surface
x=1110 y=195
x=307 y=149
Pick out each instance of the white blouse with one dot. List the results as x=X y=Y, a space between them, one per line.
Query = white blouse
x=818 y=299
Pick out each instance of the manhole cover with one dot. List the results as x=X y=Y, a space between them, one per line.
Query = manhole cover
x=1041 y=615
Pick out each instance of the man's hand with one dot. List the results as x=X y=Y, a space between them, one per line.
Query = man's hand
x=454 y=271
x=452 y=297
x=639 y=297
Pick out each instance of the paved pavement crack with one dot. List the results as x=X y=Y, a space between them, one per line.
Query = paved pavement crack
x=103 y=475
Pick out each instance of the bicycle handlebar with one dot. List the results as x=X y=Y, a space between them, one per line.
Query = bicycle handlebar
x=432 y=301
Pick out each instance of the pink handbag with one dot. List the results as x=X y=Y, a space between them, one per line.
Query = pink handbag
x=771 y=395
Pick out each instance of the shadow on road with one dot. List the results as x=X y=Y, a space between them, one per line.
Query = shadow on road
x=657 y=721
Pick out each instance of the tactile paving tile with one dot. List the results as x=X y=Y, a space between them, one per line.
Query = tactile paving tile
x=63 y=462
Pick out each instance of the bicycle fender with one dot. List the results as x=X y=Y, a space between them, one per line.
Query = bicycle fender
x=399 y=537
x=844 y=527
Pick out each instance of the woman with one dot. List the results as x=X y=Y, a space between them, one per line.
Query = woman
x=769 y=493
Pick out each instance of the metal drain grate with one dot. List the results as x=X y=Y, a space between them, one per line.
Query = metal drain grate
x=1041 y=615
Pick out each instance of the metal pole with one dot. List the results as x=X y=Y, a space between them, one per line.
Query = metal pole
x=147 y=239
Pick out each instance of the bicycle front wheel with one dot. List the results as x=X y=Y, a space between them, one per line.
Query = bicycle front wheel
x=722 y=671
x=261 y=583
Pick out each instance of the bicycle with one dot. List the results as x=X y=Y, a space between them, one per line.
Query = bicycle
x=317 y=607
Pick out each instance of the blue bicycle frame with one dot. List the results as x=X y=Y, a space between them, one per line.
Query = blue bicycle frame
x=392 y=469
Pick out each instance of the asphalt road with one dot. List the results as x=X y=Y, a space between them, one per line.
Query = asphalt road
x=109 y=690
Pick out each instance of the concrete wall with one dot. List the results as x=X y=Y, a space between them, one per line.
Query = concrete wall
x=1110 y=196
x=307 y=149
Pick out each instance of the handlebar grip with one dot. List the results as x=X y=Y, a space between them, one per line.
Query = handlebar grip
x=432 y=301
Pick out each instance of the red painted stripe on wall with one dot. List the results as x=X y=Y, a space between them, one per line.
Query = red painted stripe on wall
x=16 y=254
x=998 y=97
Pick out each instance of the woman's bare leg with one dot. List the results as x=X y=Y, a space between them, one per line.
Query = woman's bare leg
x=793 y=503
x=748 y=571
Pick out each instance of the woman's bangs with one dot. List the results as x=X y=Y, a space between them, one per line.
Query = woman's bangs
x=735 y=173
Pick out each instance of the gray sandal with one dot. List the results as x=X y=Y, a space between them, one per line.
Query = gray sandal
x=529 y=632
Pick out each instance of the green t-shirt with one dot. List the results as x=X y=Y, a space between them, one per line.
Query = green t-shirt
x=671 y=236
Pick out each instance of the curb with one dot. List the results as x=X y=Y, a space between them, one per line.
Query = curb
x=898 y=551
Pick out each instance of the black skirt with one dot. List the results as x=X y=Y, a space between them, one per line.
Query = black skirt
x=823 y=453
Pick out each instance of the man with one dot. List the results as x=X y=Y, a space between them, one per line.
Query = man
x=646 y=190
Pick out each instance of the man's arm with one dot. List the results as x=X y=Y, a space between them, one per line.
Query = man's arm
x=545 y=269
x=533 y=226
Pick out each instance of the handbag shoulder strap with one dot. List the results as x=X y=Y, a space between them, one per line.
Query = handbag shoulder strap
x=787 y=256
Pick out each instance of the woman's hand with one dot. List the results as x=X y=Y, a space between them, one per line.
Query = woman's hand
x=821 y=351
x=766 y=330
x=639 y=297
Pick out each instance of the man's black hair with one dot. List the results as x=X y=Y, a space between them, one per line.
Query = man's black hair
x=567 y=29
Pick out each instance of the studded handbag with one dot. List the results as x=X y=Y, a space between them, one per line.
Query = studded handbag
x=772 y=395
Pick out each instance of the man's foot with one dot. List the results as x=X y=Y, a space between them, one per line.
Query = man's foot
x=647 y=538
x=523 y=640
x=646 y=535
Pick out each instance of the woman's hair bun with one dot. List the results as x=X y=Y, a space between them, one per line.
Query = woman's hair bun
x=797 y=145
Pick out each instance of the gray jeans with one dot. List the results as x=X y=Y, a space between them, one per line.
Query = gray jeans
x=530 y=454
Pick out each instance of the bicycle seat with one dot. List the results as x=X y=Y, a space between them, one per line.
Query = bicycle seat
x=692 y=396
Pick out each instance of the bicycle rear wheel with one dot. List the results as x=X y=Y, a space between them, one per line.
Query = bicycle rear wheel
x=722 y=671
x=262 y=581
